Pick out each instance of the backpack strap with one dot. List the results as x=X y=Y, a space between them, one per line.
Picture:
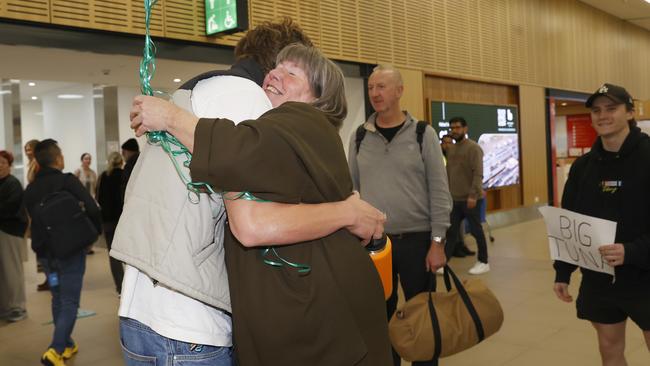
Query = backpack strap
x=419 y=131
x=360 y=134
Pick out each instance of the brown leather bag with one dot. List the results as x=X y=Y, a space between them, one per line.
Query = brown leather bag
x=439 y=324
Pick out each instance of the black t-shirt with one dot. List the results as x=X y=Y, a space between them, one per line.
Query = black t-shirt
x=389 y=132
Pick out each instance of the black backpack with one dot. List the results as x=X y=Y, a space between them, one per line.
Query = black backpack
x=68 y=227
x=419 y=134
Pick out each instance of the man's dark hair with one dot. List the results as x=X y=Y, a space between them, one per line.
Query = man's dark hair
x=460 y=120
x=264 y=42
x=46 y=152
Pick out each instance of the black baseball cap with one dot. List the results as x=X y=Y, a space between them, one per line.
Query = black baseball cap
x=616 y=93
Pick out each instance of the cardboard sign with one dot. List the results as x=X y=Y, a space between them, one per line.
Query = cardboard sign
x=575 y=238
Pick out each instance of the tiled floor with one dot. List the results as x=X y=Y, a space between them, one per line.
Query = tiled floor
x=538 y=329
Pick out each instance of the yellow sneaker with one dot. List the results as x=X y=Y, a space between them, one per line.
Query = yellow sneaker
x=52 y=358
x=68 y=352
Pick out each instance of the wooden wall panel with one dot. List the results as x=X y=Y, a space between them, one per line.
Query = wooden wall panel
x=413 y=97
x=32 y=10
x=532 y=134
x=562 y=44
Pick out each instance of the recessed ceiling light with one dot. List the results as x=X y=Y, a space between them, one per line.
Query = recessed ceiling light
x=31 y=83
x=564 y=104
x=70 y=96
x=647 y=1
x=177 y=80
x=3 y=92
x=34 y=97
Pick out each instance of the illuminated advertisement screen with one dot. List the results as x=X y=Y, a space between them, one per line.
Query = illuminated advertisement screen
x=494 y=127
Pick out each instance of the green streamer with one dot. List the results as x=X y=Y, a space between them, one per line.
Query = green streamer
x=302 y=268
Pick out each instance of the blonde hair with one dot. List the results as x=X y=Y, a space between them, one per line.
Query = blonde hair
x=115 y=160
x=325 y=79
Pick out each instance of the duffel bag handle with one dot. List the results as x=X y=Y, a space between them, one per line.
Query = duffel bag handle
x=466 y=300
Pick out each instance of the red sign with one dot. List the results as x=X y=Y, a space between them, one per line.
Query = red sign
x=580 y=134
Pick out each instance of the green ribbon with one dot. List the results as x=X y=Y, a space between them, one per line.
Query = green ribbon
x=265 y=252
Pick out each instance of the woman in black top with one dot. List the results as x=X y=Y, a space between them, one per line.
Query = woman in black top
x=13 y=223
x=109 y=197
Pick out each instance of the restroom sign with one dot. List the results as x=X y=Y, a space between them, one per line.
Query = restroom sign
x=225 y=16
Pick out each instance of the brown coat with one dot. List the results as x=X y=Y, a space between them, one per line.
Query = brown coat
x=334 y=315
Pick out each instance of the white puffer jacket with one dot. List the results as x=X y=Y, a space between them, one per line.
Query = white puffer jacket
x=163 y=231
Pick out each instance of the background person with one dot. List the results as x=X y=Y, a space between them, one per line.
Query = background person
x=465 y=170
x=611 y=182
x=32 y=169
x=66 y=291
x=109 y=197
x=13 y=223
x=332 y=315
x=86 y=175
x=130 y=152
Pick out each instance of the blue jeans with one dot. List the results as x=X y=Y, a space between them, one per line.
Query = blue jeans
x=65 y=297
x=141 y=346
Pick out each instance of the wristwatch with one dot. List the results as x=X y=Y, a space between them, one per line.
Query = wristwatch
x=439 y=239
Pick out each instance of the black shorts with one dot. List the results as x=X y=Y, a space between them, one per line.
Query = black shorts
x=608 y=307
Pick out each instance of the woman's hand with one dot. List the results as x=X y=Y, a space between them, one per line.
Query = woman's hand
x=155 y=114
x=562 y=291
x=614 y=254
x=368 y=222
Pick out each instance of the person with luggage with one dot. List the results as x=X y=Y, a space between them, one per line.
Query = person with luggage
x=397 y=166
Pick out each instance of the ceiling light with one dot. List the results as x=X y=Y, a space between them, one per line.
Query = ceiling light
x=70 y=96
x=177 y=80
x=31 y=83
x=34 y=97
x=3 y=92
x=647 y=1
x=564 y=104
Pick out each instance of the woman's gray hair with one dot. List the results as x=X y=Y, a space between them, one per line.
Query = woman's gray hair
x=115 y=160
x=325 y=79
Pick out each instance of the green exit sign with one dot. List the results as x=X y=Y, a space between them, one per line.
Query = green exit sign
x=225 y=16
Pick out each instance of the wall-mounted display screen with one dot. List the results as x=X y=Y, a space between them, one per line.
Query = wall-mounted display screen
x=494 y=127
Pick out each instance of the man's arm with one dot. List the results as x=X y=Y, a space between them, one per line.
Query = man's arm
x=74 y=186
x=440 y=202
x=269 y=223
x=477 y=174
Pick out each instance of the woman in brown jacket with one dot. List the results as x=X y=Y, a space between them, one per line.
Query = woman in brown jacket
x=317 y=302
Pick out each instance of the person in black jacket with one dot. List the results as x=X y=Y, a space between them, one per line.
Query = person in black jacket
x=65 y=275
x=13 y=223
x=109 y=197
x=612 y=182
x=130 y=152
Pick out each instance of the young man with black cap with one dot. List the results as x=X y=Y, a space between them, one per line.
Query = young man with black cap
x=611 y=182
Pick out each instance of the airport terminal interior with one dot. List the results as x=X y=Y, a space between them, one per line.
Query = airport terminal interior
x=519 y=71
